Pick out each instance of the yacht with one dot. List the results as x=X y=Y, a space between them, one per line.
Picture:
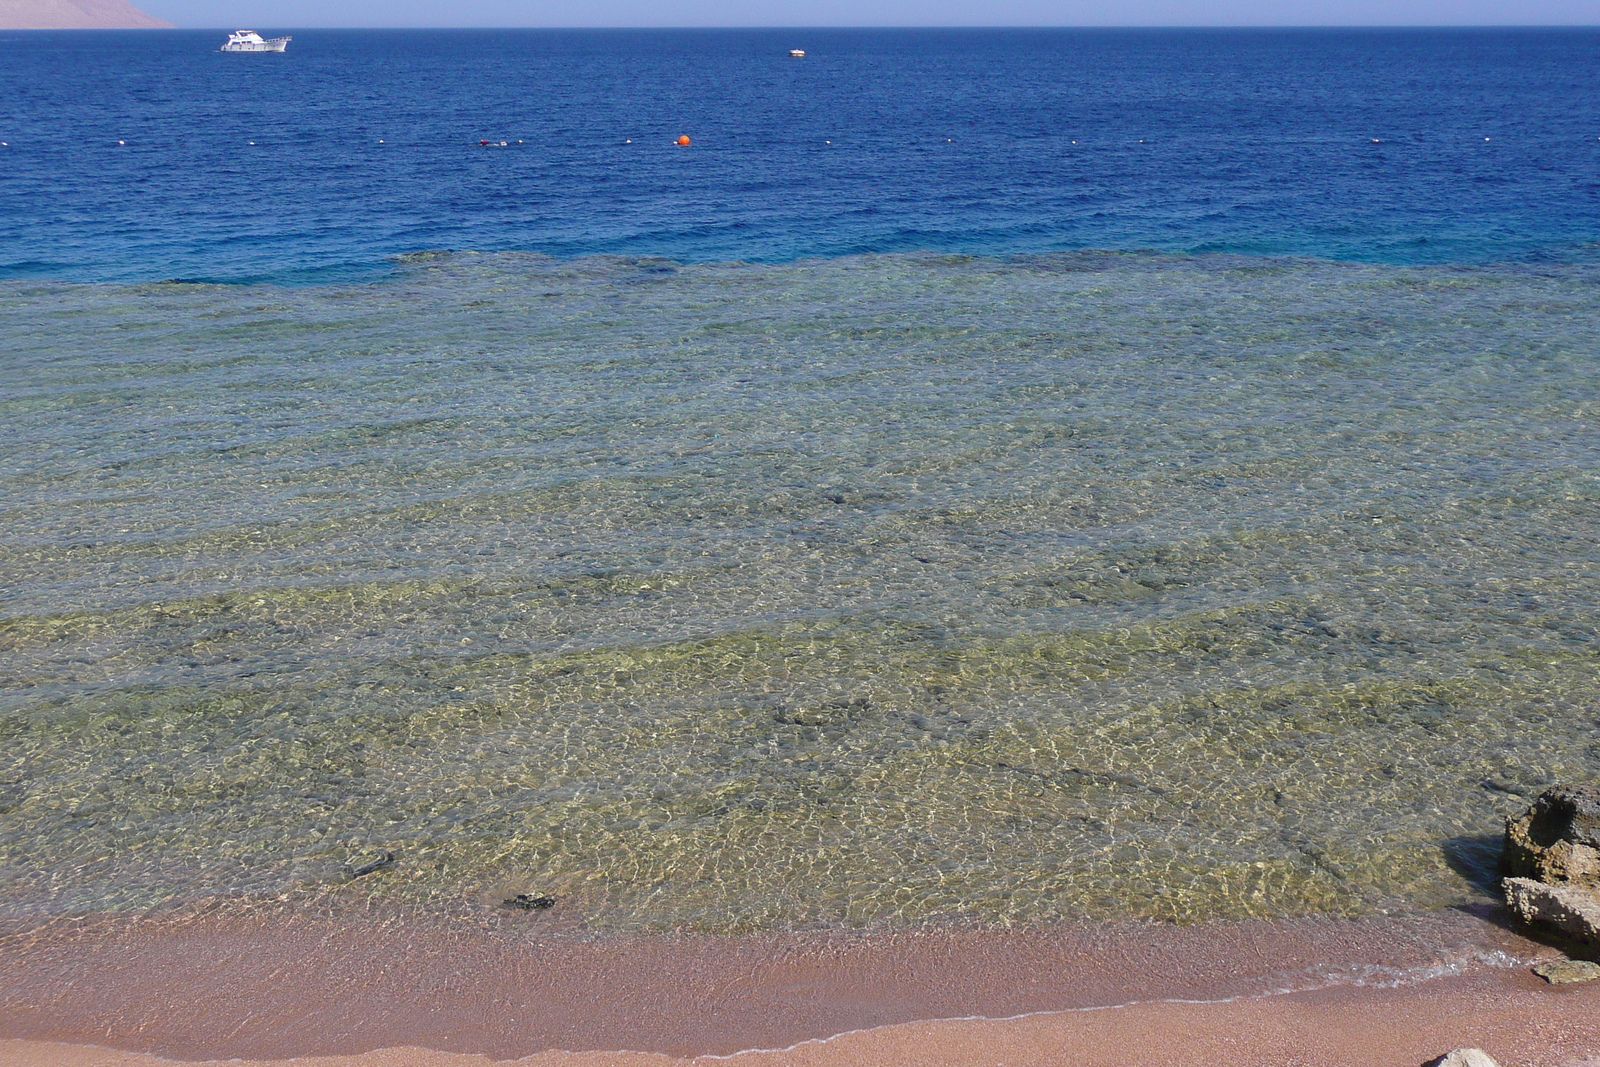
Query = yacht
x=251 y=41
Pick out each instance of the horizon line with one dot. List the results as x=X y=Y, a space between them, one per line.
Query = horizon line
x=885 y=26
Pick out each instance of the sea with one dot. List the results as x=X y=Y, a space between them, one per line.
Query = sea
x=983 y=477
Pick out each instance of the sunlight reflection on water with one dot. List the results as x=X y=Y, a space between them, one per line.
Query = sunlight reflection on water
x=871 y=589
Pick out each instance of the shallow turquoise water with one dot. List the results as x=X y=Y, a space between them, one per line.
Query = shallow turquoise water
x=844 y=591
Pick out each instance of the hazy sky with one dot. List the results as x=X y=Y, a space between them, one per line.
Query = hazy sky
x=288 y=13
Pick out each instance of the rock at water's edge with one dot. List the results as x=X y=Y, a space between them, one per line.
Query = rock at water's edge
x=1568 y=972
x=1558 y=839
x=1566 y=908
x=76 y=15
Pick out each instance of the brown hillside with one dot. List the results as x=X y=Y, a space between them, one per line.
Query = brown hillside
x=75 y=15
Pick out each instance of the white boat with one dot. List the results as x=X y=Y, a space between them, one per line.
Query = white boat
x=798 y=53
x=251 y=41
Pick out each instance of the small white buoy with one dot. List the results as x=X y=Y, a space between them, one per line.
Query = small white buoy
x=125 y=142
x=380 y=140
x=827 y=142
x=1486 y=138
x=628 y=141
x=252 y=142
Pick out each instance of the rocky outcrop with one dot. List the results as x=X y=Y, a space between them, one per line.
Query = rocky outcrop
x=1552 y=862
x=1557 y=841
x=1562 y=908
x=76 y=15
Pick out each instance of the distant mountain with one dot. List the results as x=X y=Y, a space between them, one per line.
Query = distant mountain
x=75 y=15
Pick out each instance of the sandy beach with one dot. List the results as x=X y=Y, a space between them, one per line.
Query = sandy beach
x=1521 y=1024
x=270 y=987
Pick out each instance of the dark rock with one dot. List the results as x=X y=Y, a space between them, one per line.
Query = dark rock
x=529 y=902
x=1557 y=841
x=378 y=864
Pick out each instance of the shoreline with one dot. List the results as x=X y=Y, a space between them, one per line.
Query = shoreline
x=367 y=990
x=1519 y=1023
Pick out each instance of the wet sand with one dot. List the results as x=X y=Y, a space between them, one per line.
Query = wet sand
x=362 y=988
x=1520 y=1024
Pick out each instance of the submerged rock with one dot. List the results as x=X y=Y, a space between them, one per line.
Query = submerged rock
x=1557 y=841
x=375 y=863
x=1567 y=972
x=1465 y=1057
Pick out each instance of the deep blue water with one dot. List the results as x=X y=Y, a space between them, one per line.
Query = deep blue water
x=1420 y=146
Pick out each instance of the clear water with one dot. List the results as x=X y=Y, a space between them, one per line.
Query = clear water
x=1420 y=146
x=855 y=590
x=700 y=553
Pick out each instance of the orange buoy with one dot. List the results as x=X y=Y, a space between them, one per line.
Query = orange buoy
x=684 y=140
